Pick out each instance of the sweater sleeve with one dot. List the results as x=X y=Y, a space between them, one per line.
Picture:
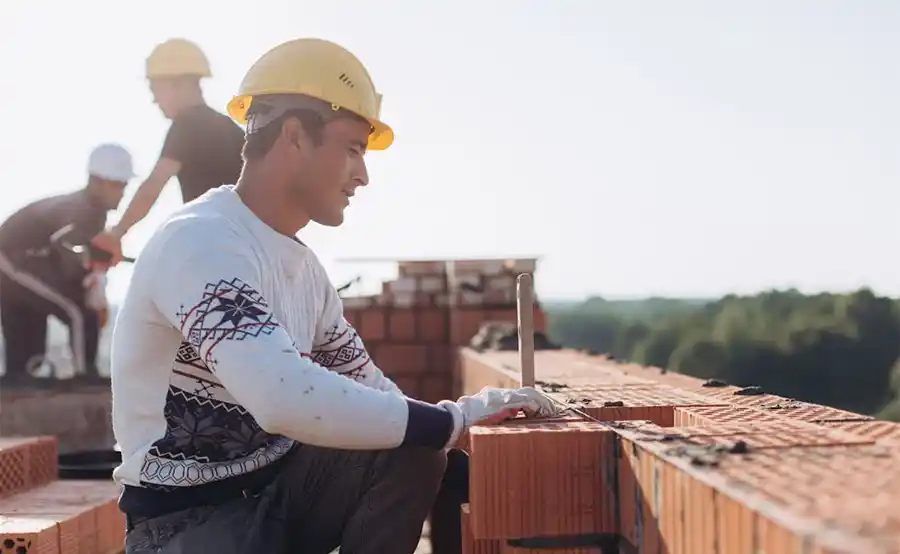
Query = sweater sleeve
x=338 y=347
x=211 y=294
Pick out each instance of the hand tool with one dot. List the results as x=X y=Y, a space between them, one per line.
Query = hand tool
x=525 y=318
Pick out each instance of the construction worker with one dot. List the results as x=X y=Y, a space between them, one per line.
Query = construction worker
x=249 y=414
x=202 y=146
x=41 y=276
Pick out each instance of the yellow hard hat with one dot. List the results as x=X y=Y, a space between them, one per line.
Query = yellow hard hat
x=320 y=69
x=175 y=58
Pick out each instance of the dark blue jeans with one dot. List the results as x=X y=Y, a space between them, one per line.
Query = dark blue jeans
x=366 y=502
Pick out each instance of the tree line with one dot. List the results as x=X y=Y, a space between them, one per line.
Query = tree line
x=834 y=349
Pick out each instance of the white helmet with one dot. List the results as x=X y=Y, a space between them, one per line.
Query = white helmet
x=111 y=162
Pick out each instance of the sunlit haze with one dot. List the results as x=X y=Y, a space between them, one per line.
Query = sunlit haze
x=642 y=147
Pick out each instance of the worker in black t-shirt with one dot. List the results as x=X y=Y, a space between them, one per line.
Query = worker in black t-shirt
x=40 y=275
x=202 y=147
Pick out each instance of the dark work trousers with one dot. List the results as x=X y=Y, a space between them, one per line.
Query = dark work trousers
x=446 y=532
x=26 y=300
x=366 y=502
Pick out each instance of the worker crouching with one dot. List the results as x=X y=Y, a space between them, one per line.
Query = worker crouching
x=250 y=416
x=41 y=274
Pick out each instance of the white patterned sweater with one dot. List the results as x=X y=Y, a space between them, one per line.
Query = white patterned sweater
x=230 y=345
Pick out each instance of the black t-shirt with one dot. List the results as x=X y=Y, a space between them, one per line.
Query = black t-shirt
x=208 y=146
x=25 y=237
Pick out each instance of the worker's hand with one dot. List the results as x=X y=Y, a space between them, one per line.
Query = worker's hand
x=95 y=294
x=109 y=241
x=493 y=405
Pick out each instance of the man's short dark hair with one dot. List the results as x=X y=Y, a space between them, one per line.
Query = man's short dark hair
x=314 y=115
x=258 y=144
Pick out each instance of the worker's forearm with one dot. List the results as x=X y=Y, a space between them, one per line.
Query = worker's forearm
x=137 y=209
x=292 y=396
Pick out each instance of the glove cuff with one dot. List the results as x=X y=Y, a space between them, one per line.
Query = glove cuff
x=459 y=421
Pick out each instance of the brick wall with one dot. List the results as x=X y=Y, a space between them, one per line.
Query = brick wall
x=677 y=466
x=413 y=327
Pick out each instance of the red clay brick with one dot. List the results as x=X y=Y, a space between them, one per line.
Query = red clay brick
x=424 y=300
x=634 y=396
x=703 y=508
x=540 y=479
x=66 y=517
x=838 y=485
x=352 y=317
x=425 y=267
x=714 y=415
x=885 y=432
x=26 y=463
x=772 y=537
x=372 y=325
x=840 y=543
x=735 y=525
x=401 y=359
x=639 y=508
x=464 y=324
x=410 y=385
x=441 y=359
x=432 y=284
x=787 y=407
x=777 y=425
x=356 y=303
x=469 y=544
x=38 y=534
x=763 y=439
x=436 y=388
x=655 y=403
x=433 y=326
x=401 y=325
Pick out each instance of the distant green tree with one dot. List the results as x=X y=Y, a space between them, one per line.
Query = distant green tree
x=834 y=349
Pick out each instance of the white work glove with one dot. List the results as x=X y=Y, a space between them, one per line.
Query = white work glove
x=493 y=405
x=95 y=291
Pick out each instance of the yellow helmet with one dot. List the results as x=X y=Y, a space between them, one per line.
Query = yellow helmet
x=177 y=57
x=320 y=69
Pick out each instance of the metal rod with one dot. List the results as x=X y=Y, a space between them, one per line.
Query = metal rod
x=525 y=307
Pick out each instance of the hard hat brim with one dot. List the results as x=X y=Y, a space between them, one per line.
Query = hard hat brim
x=381 y=138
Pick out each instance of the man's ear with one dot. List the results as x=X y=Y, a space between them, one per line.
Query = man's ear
x=292 y=132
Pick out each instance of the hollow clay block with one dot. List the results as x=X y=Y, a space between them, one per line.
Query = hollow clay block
x=541 y=479
x=469 y=544
x=26 y=463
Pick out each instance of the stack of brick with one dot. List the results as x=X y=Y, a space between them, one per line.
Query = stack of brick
x=676 y=469
x=39 y=514
x=414 y=326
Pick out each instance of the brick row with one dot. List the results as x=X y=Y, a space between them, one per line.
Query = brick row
x=26 y=463
x=463 y=283
x=746 y=472
x=63 y=517
x=679 y=501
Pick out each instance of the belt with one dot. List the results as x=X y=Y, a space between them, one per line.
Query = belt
x=219 y=498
